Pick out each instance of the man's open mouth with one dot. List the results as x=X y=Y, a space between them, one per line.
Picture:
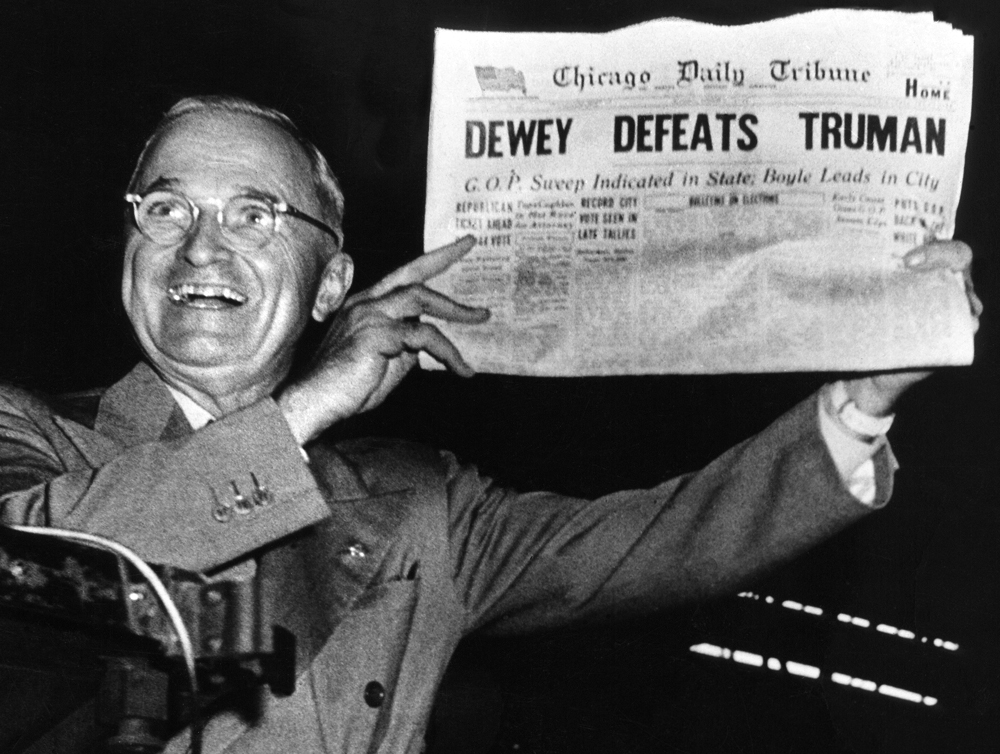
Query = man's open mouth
x=205 y=296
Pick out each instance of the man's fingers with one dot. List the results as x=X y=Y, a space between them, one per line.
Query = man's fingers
x=417 y=300
x=424 y=268
x=423 y=337
x=947 y=255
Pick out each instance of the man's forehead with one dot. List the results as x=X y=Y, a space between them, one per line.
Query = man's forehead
x=222 y=146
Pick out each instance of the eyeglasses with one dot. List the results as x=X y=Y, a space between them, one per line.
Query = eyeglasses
x=248 y=222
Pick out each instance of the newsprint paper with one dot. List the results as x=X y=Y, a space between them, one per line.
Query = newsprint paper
x=683 y=197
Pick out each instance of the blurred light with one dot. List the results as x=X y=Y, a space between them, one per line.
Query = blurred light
x=748 y=658
x=798 y=668
x=909 y=696
x=707 y=649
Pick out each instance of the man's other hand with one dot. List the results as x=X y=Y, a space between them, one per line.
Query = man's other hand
x=373 y=342
x=876 y=394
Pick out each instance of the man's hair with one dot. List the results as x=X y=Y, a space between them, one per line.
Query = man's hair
x=327 y=187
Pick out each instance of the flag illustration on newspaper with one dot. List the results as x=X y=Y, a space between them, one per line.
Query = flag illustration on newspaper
x=681 y=197
x=493 y=79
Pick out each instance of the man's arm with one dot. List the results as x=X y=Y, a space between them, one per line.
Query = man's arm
x=527 y=561
x=161 y=498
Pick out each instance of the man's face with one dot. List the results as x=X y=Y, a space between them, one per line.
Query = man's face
x=211 y=316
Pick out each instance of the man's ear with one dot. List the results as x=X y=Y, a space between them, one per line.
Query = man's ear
x=334 y=285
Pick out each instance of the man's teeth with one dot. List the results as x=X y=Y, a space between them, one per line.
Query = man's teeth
x=187 y=293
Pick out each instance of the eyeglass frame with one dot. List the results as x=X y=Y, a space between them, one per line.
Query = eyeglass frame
x=279 y=207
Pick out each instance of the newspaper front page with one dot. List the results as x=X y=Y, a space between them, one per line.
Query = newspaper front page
x=678 y=197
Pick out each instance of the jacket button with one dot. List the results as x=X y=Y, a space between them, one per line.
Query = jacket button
x=222 y=512
x=354 y=554
x=374 y=694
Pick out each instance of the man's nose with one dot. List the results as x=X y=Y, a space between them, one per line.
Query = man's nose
x=205 y=244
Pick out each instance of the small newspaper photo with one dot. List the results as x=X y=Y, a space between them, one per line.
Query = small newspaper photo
x=680 y=197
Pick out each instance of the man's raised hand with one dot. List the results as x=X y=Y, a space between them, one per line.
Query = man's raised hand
x=876 y=394
x=373 y=342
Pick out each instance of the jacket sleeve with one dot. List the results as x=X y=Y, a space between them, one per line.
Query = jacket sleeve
x=161 y=499
x=526 y=561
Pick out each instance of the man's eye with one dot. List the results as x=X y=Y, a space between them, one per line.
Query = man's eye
x=252 y=214
x=163 y=210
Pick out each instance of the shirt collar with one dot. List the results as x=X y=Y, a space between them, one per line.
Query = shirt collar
x=197 y=416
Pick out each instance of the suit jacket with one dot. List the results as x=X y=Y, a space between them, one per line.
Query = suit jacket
x=380 y=555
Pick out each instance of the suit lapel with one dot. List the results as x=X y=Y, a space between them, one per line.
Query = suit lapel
x=139 y=408
x=136 y=409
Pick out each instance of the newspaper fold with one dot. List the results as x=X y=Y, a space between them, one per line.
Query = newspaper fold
x=683 y=197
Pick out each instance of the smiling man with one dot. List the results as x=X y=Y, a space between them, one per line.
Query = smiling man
x=378 y=555
x=219 y=297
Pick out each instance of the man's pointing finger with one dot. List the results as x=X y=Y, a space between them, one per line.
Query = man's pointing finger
x=423 y=269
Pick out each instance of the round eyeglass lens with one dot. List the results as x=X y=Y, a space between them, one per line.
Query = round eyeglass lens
x=164 y=216
x=248 y=221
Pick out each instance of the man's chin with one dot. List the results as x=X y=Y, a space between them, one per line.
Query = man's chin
x=198 y=363
x=207 y=352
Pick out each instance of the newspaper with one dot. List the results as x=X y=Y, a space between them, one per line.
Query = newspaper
x=678 y=197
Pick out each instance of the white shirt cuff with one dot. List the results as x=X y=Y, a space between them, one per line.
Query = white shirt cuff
x=851 y=455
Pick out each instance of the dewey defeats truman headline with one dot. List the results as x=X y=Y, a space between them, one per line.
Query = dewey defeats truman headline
x=649 y=132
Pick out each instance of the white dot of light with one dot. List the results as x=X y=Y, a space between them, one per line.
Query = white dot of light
x=726 y=653
x=887 y=629
x=844 y=680
x=769 y=600
x=861 y=622
x=950 y=645
x=798 y=668
x=909 y=696
x=938 y=643
x=813 y=610
x=930 y=701
x=748 y=658
x=844 y=618
x=792 y=605
x=904 y=634
x=774 y=663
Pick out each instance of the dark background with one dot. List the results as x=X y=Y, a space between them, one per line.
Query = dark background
x=83 y=83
